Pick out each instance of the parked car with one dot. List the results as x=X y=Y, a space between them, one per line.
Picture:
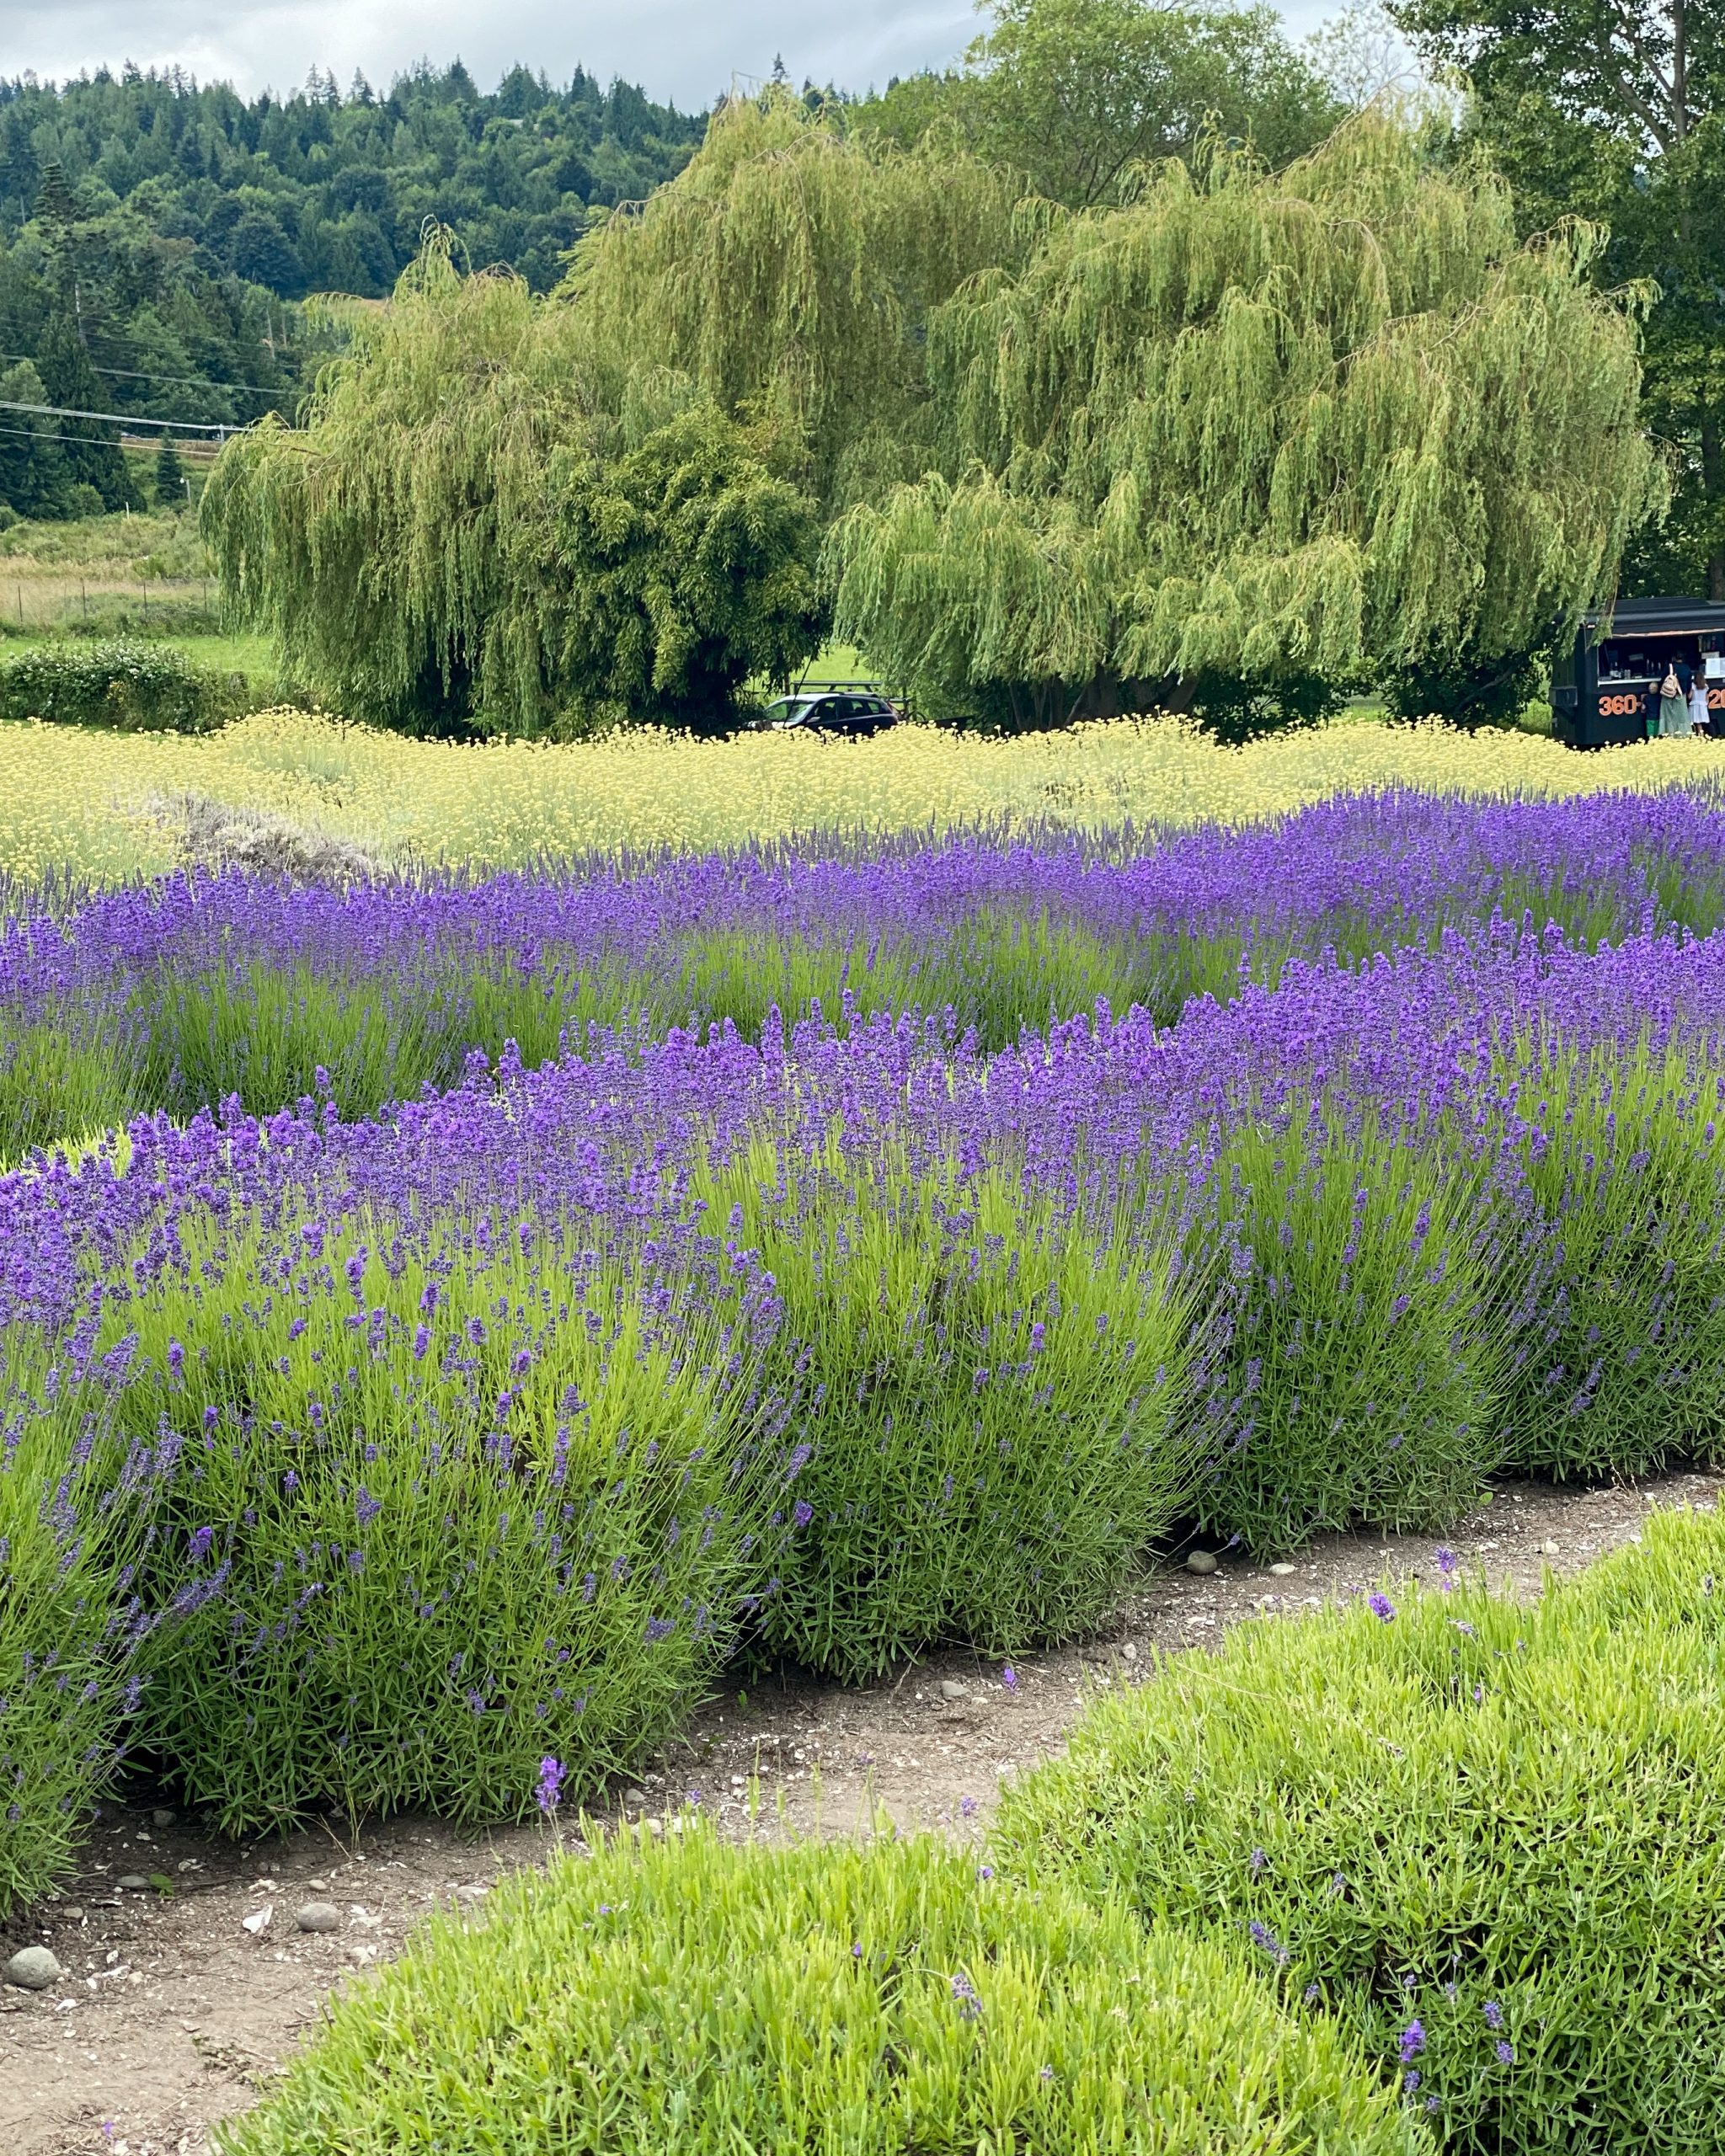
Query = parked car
x=849 y=712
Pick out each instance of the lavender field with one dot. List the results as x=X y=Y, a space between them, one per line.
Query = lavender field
x=447 y=1322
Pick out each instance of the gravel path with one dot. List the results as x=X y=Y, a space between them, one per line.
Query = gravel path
x=174 y=2010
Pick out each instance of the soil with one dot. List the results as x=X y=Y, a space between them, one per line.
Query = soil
x=176 y=2008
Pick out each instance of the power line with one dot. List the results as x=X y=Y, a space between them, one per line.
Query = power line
x=125 y=418
x=177 y=381
x=192 y=449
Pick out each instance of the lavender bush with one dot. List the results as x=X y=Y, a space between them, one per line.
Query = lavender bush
x=1478 y=1835
x=431 y=1504
x=991 y=1400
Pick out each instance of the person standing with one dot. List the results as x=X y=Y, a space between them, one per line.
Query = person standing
x=1699 y=717
x=1674 y=708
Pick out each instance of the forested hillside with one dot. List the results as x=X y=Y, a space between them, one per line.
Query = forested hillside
x=151 y=229
x=322 y=192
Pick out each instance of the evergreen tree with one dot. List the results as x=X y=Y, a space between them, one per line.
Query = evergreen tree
x=170 y=476
x=33 y=479
x=91 y=451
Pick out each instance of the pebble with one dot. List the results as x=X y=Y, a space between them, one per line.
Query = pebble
x=33 y=1968
x=1129 y=1652
x=1281 y=1571
x=634 y=1797
x=1548 y=1549
x=1201 y=1560
x=73 y=1912
x=163 y=1816
x=949 y=1690
x=132 y=1882
x=472 y=1893
x=318 y=1886
x=319 y=1916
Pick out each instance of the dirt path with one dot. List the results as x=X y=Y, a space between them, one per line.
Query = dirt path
x=173 y=2013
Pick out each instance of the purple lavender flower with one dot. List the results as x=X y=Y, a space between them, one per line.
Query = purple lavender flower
x=1412 y=2042
x=1382 y=1608
x=549 y=1792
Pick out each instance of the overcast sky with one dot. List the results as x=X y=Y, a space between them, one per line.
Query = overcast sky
x=684 y=49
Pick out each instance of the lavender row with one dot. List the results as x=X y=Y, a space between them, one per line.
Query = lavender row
x=180 y=994
x=383 y=1456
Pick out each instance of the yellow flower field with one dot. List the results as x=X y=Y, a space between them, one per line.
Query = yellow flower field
x=87 y=803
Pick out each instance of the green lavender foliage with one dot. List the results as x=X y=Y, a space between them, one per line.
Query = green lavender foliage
x=1625 y=1159
x=1356 y=1377
x=992 y=1397
x=690 y=1998
x=59 y=1081
x=426 y=1538
x=1481 y=1836
x=67 y=1653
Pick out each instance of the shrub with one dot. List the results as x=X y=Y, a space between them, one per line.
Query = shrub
x=1484 y=1837
x=136 y=687
x=988 y=1397
x=1351 y=1380
x=436 y=1502
x=69 y=1636
x=685 y=1997
x=1619 y=1338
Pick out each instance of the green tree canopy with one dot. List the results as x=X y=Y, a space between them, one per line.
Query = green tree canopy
x=789 y=272
x=381 y=541
x=1617 y=112
x=680 y=569
x=1272 y=425
x=474 y=524
x=1074 y=94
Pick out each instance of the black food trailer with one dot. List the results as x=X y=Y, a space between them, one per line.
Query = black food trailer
x=1603 y=692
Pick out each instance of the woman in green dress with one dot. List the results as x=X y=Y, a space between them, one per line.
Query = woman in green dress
x=1673 y=707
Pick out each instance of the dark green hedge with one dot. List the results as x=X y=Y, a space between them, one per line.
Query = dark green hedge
x=138 y=687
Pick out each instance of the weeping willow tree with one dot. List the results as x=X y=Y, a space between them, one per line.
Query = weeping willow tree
x=458 y=531
x=789 y=271
x=1331 y=420
x=383 y=542
x=482 y=521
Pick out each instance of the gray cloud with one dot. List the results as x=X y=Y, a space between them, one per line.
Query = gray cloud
x=677 y=49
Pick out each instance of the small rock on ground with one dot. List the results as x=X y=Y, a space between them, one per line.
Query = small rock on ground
x=1201 y=1560
x=33 y=1968
x=319 y=1916
x=132 y=1882
x=949 y=1690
